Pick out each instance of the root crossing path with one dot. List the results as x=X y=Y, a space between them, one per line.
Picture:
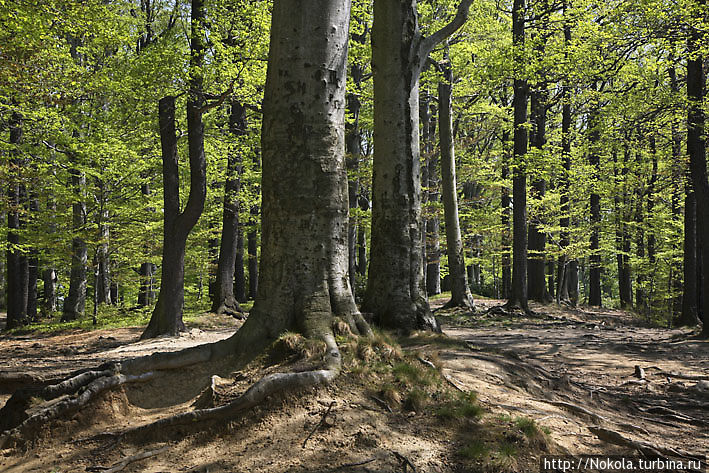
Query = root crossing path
x=598 y=379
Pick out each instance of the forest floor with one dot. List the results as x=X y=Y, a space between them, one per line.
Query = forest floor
x=572 y=371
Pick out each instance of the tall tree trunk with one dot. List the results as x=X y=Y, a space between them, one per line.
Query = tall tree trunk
x=460 y=292
x=103 y=288
x=252 y=244
x=396 y=285
x=518 y=293
x=622 y=237
x=17 y=261
x=537 y=238
x=239 y=274
x=353 y=151
x=678 y=192
x=431 y=235
x=506 y=210
x=32 y=267
x=303 y=281
x=563 y=280
x=75 y=302
x=167 y=316
x=696 y=148
x=640 y=301
x=224 y=301
x=594 y=159
x=146 y=291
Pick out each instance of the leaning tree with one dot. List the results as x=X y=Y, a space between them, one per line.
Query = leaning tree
x=303 y=284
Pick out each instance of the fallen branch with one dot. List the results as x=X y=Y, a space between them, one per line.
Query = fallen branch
x=404 y=461
x=382 y=403
x=319 y=424
x=671 y=374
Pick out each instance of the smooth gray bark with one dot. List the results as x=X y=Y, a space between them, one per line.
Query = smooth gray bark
x=303 y=281
x=460 y=291
x=75 y=302
x=396 y=291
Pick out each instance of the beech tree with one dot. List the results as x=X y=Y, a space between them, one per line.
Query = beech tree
x=396 y=290
x=167 y=316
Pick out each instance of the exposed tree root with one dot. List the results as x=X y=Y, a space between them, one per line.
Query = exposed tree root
x=574 y=408
x=616 y=438
x=128 y=460
x=33 y=423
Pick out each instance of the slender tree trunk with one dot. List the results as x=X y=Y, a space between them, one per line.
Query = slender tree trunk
x=167 y=316
x=678 y=192
x=640 y=301
x=622 y=238
x=103 y=288
x=146 y=291
x=239 y=274
x=460 y=291
x=518 y=293
x=353 y=150
x=506 y=210
x=224 y=301
x=537 y=238
x=252 y=251
x=361 y=251
x=17 y=261
x=32 y=267
x=432 y=256
x=696 y=149
x=75 y=302
x=563 y=280
x=594 y=159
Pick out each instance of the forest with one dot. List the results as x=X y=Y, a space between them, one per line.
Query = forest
x=352 y=235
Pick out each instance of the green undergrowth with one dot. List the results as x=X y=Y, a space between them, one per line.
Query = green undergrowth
x=405 y=375
x=109 y=317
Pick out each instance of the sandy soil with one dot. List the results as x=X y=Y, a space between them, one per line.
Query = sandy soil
x=518 y=366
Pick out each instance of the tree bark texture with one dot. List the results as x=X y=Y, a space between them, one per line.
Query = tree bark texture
x=224 y=300
x=75 y=302
x=460 y=291
x=594 y=159
x=518 y=292
x=167 y=316
x=506 y=203
x=431 y=236
x=536 y=264
x=303 y=281
x=17 y=261
x=696 y=149
x=396 y=291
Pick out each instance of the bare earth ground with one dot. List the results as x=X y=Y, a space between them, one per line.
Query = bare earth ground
x=566 y=369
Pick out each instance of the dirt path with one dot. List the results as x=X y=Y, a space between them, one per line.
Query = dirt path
x=567 y=369
x=588 y=359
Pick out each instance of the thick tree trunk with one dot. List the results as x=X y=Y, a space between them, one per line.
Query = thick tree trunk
x=696 y=148
x=224 y=300
x=303 y=279
x=536 y=282
x=460 y=292
x=167 y=316
x=17 y=261
x=594 y=292
x=75 y=302
x=518 y=293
